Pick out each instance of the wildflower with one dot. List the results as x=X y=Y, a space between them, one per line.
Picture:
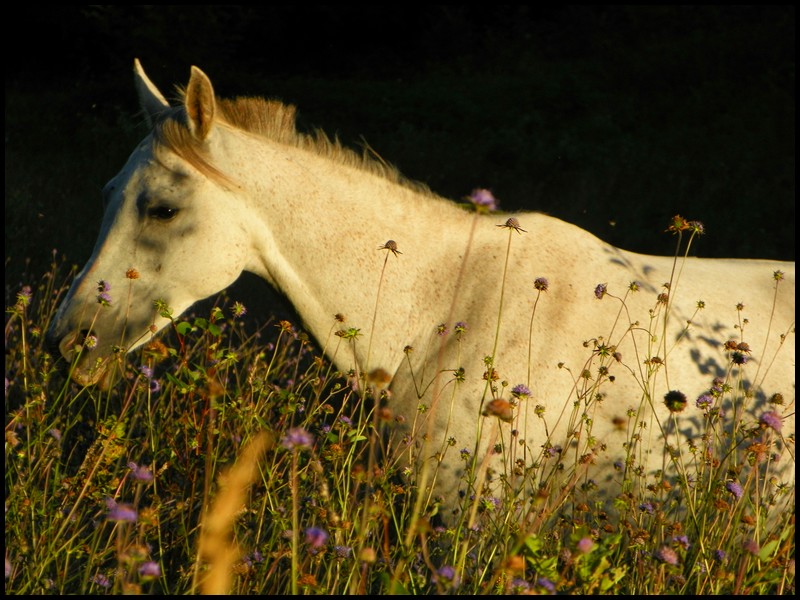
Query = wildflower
x=483 y=200
x=155 y=386
x=346 y=420
x=682 y=541
x=734 y=488
x=751 y=546
x=150 y=569
x=678 y=224
x=600 y=290
x=546 y=584
x=101 y=580
x=541 y=284
x=634 y=286
x=140 y=473
x=465 y=454
x=697 y=227
x=123 y=513
x=460 y=328
x=316 y=537
x=90 y=342
x=343 y=551
x=297 y=437
x=667 y=555
x=132 y=274
x=147 y=371
x=705 y=401
x=646 y=507
x=772 y=420
x=446 y=573
x=585 y=545
x=24 y=296
x=675 y=401
x=56 y=434
x=391 y=246
x=442 y=329
x=520 y=391
x=513 y=223
x=519 y=585
x=103 y=297
x=238 y=309
x=720 y=555
x=502 y=409
x=738 y=358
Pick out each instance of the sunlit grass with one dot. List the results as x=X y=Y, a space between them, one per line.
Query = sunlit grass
x=233 y=457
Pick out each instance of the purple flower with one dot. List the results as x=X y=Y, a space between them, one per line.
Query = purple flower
x=483 y=199
x=600 y=290
x=705 y=401
x=147 y=371
x=297 y=437
x=772 y=420
x=446 y=572
x=121 y=513
x=541 y=284
x=646 y=507
x=442 y=329
x=682 y=541
x=720 y=555
x=101 y=580
x=734 y=488
x=155 y=386
x=460 y=327
x=140 y=473
x=520 y=391
x=316 y=537
x=56 y=434
x=238 y=309
x=546 y=584
x=103 y=289
x=519 y=585
x=585 y=545
x=150 y=569
x=667 y=555
x=751 y=546
x=738 y=358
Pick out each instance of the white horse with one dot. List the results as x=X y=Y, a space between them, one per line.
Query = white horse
x=465 y=312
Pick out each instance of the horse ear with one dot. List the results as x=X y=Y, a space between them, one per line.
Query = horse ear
x=150 y=99
x=200 y=104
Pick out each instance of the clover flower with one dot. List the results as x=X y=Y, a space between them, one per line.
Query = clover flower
x=585 y=545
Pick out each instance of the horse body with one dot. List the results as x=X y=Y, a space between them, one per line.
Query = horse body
x=222 y=187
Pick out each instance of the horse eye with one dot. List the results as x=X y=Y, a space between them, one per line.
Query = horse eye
x=162 y=213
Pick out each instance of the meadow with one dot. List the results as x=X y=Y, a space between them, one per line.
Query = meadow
x=233 y=458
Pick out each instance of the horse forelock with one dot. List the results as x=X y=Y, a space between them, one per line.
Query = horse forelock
x=272 y=120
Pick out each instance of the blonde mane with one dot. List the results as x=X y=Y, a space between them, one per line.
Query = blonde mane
x=272 y=120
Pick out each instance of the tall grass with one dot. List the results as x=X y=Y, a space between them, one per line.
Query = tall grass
x=235 y=458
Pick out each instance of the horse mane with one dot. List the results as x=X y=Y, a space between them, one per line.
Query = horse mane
x=273 y=120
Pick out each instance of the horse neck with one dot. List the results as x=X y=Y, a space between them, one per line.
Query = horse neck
x=316 y=231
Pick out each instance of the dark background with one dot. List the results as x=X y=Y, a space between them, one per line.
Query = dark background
x=613 y=118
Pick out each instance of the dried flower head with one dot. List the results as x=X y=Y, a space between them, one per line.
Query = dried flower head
x=513 y=223
x=600 y=290
x=391 y=246
x=675 y=401
x=541 y=284
x=502 y=409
